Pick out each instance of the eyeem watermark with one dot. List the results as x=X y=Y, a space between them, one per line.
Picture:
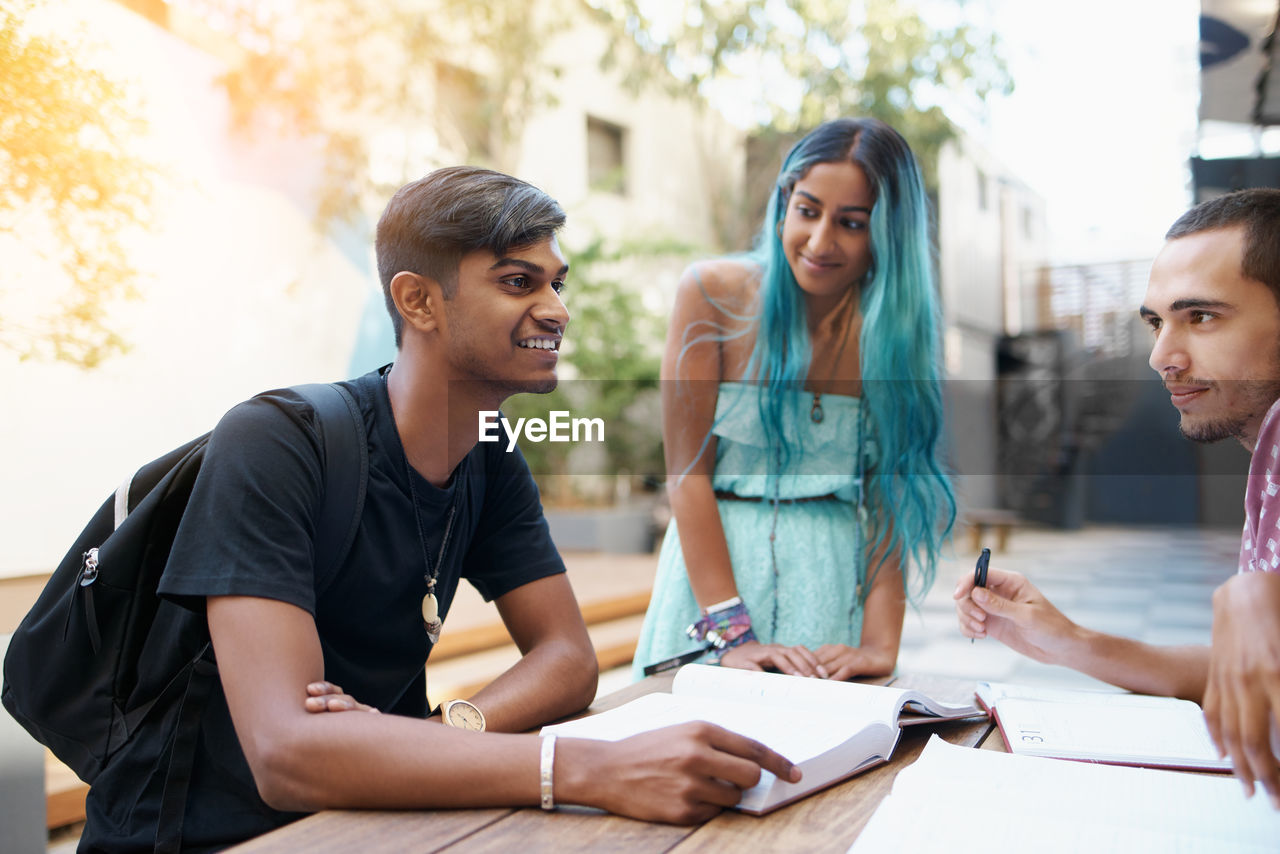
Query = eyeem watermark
x=560 y=428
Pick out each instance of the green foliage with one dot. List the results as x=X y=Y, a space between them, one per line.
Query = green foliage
x=70 y=189
x=811 y=61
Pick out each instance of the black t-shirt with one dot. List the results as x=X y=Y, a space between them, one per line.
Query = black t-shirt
x=249 y=530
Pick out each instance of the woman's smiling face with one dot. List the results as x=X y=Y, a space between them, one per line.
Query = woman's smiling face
x=826 y=235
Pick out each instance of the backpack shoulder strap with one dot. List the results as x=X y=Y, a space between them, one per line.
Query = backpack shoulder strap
x=346 y=475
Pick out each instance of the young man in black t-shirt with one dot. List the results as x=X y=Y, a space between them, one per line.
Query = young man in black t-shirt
x=472 y=274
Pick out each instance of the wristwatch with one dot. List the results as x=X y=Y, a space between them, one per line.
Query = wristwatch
x=463 y=715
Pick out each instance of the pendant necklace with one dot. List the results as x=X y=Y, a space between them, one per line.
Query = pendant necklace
x=815 y=412
x=430 y=605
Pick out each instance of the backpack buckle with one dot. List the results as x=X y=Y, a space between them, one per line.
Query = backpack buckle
x=89 y=569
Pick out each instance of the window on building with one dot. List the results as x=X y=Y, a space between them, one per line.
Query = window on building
x=464 y=109
x=606 y=156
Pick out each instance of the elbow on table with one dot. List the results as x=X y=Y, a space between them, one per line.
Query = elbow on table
x=582 y=662
x=283 y=776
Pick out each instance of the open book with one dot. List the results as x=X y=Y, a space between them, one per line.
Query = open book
x=1120 y=729
x=831 y=730
x=966 y=801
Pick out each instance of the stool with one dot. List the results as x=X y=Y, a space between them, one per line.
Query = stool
x=979 y=520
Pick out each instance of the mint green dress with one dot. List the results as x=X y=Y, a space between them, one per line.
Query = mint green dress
x=807 y=588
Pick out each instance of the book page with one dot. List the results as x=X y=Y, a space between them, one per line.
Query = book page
x=994 y=692
x=1127 y=728
x=853 y=700
x=1111 y=733
x=796 y=735
x=825 y=748
x=958 y=800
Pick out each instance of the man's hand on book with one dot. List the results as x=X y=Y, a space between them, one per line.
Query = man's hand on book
x=1013 y=611
x=684 y=774
x=1242 y=696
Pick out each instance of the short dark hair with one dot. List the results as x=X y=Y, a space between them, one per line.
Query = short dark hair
x=431 y=223
x=1257 y=210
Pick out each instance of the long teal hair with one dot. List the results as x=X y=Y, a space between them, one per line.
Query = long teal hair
x=908 y=492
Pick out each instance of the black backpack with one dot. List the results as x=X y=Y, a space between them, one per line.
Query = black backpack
x=100 y=653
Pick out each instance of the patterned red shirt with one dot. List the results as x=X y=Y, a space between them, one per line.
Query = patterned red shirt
x=1260 y=542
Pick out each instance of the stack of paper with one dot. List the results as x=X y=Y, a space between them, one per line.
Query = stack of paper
x=960 y=800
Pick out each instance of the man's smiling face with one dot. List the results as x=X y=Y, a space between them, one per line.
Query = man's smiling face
x=506 y=319
x=1216 y=336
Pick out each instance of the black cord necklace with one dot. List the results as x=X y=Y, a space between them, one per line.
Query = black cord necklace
x=430 y=605
x=816 y=413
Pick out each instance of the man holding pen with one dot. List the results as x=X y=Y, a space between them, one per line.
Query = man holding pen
x=1213 y=307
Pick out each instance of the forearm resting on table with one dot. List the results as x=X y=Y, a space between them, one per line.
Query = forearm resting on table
x=552 y=681
x=268 y=653
x=557 y=672
x=390 y=762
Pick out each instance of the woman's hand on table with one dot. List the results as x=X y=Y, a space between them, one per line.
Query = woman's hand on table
x=840 y=662
x=792 y=660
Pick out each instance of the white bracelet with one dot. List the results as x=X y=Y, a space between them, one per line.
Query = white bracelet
x=722 y=606
x=547 y=766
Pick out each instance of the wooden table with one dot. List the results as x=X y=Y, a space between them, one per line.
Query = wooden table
x=827 y=821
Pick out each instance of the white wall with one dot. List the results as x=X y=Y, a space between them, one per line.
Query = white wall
x=987 y=257
x=238 y=294
x=676 y=158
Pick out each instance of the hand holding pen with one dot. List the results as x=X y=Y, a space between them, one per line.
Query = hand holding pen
x=980 y=573
x=1004 y=605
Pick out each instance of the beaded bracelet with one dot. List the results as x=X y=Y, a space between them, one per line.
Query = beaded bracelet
x=723 y=626
x=546 y=768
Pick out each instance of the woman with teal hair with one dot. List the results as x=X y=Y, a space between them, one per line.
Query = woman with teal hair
x=802 y=413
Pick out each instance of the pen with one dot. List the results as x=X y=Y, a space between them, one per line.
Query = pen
x=980 y=572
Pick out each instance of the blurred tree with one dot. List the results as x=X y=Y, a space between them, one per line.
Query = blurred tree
x=70 y=189
x=792 y=66
x=389 y=90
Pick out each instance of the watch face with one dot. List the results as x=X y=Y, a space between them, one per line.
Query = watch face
x=463 y=715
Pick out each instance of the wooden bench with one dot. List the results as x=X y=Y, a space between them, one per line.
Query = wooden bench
x=468 y=659
x=64 y=794
x=980 y=520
